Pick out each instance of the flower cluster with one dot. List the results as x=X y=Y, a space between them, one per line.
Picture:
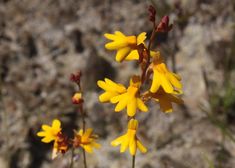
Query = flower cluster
x=84 y=138
x=61 y=142
x=165 y=85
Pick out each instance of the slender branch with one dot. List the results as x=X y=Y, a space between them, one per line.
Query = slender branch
x=83 y=128
x=133 y=162
x=83 y=113
x=72 y=156
x=84 y=158
x=148 y=54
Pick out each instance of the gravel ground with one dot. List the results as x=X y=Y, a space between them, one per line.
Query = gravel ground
x=43 y=42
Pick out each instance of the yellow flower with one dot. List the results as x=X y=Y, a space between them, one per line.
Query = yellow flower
x=166 y=99
x=130 y=139
x=50 y=133
x=86 y=140
x=111 y=88
x=130 y=99
x=163 y=77
x=126 y=46
x=53 y=133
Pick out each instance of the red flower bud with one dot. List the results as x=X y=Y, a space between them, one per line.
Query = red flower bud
x=76 y=77
x=164 y=26
x=152 y=13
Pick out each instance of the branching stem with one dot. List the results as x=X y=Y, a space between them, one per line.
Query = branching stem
x=148 y=54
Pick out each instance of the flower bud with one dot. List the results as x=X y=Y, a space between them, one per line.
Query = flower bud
x=77 y=98
x=164 y=26
x=152 y=13
x=76 y=77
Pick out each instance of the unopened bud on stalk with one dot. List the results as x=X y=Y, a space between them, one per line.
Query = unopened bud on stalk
x=76 y=77
x=152 y=13
x=77 y=98
x=164 y=26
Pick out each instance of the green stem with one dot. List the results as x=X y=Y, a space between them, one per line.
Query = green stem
x=84 y=129
x=148 y=53
x=133 y=161
x=71 y=162
x=84 y=158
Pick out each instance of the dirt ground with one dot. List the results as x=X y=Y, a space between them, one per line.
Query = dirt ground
x=43 y=42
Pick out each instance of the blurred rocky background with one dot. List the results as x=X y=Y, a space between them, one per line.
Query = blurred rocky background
x=43 y=42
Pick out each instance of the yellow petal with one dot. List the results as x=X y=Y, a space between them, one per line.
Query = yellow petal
x=122 y=103
x=46 y=128
x=124 y=144
x=166 y=85
x=105 y=97
x=102 y=85
x=116 y=99
x=132 y=146
x=118 y=141
x=105 y=86
x=56 y=124
x=95 y=145
x=174 y=81
x=88 y=148
x=115 y=45
x=41 y=134
x=80 y=132
x=141 y=147
x=131 y=107
x=110 y=36
x=141 y=37
x=133 y=55
x=48 y=139
x=156 y=81
x=88 y=132
x=117 y=87
x=119 y=34
x=141 y=105
x=122 y=53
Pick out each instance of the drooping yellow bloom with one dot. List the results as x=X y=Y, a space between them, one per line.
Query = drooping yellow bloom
x=130 y=99
x=130 y=139
x=163 y=77
x=126 y=46
x=53 y=133
x=111 y=88
x=166 y=99
x=86 y=140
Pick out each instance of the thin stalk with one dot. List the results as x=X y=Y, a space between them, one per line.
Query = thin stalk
x=83 y=113
x=84 y=158
x=148 y=54
x=83 y=128
x=72 y=156
x=133 y=162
